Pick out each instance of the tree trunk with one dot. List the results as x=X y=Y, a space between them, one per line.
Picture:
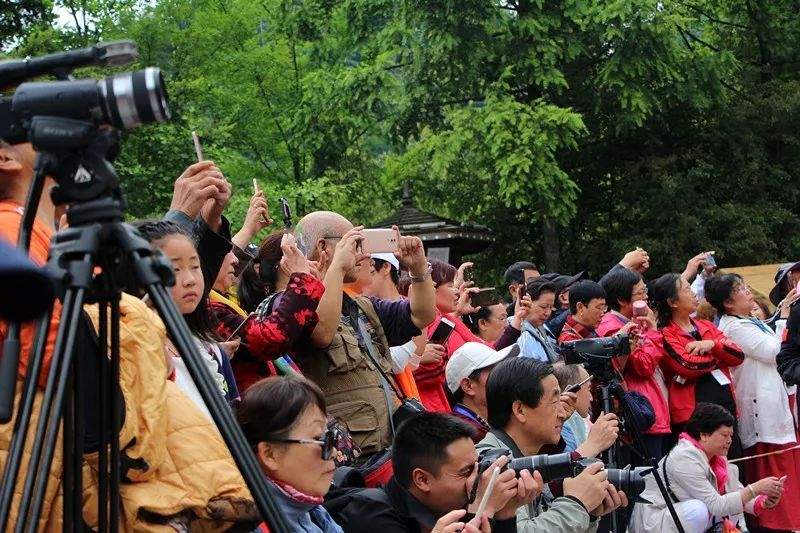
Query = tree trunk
x=551 y=245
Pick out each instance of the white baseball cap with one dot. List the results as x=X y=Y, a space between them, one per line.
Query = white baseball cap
x=389 y=258
x=473 y=356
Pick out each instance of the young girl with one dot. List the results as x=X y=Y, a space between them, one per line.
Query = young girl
x=191 y=298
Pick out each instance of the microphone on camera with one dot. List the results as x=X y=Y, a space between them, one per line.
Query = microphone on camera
x=112 y=54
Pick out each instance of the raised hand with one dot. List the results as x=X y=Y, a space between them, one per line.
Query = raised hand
x=198 y=184
x=411 y=253
x=293 y=260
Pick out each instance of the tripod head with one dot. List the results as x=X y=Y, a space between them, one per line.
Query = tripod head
x=76 y=154
x=597 y=355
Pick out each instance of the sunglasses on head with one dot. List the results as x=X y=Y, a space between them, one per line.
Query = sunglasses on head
x=328 y=443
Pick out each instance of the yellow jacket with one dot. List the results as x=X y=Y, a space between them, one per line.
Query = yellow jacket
x=175 y=466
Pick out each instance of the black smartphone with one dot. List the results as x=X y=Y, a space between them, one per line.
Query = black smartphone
x=287 y=213
x=484 y=297
x=442 y=332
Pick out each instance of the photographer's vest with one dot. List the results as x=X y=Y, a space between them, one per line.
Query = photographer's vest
x=352 y=387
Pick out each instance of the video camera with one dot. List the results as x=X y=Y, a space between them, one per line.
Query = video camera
x=559 y=466
x=49 y=113
x=596 y=354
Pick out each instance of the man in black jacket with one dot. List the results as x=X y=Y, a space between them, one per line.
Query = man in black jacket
x=434 y=471
x=789 y=357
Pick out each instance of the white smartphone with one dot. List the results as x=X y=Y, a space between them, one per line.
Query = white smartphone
x=379 y=241
x=198 y=149
x=488 y=493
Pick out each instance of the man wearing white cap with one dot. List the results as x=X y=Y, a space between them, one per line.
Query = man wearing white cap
x=385 y=278
x=466 y=374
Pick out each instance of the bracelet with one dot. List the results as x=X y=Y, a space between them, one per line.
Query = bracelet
x=423 y=277
x=752 y=492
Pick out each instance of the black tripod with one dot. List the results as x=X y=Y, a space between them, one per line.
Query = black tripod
x=611 y=389
x=96 y=238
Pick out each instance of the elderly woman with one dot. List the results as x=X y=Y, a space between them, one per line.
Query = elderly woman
x=284 y=420
x=766 y=423
x=697 y=356
x=704 y=486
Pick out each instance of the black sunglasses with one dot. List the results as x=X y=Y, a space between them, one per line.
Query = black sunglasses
x=328 y=443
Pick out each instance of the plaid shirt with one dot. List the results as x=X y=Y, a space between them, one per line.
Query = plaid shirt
x=573 y=331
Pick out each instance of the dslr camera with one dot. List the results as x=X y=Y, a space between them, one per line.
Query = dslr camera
x=559 y=466
x=596 y=354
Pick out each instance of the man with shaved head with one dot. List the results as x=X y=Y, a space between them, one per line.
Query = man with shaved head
x=354 y=334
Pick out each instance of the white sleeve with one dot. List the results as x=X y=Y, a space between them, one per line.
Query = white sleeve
x=753 y=341
x=401 y=356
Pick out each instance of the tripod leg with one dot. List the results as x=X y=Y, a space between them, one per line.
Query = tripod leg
x=116 y=416
x=102 y=384
x=50 y=414
x=221 y=413
x=22 y=423
x=639 y=442
x=67 y=443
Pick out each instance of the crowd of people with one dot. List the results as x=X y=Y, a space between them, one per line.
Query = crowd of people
x=334 y=363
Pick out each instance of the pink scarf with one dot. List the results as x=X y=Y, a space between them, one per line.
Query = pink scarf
x=718 y=463
x=295 y=495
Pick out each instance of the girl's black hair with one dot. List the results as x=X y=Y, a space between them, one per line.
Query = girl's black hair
x=199 y=320
x=661 y=291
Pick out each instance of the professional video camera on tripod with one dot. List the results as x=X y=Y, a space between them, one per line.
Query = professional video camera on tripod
x=597 y=354
x=72 y=125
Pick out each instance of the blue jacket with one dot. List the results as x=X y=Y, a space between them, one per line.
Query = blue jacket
x=305 y=517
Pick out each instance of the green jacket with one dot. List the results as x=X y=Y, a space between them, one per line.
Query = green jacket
x=564 y=514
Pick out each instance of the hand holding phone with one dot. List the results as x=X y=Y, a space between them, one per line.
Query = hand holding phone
x=379 y=241
x=442 y=332
x=484 y=297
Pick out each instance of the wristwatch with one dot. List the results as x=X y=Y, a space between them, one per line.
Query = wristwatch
x=423 y=277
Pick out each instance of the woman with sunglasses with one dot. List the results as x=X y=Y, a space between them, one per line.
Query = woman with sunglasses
x=284 y=420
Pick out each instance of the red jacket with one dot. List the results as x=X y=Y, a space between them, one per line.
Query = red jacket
x=641 y=369
x=682 y=370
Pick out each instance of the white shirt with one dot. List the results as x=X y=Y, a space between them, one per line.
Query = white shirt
x=761 y=396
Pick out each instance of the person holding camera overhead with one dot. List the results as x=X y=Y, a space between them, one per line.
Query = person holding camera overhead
x=526 y=413
x=697 y=356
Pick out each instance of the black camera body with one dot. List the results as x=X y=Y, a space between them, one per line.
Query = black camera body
x=596 y=354
x=559 y=466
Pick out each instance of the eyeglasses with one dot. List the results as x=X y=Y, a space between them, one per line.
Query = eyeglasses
x=328 y=443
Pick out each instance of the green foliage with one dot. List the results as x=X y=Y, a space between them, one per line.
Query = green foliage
x=614 y=123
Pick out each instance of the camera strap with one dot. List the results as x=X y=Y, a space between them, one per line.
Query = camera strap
x=504 y=437
x=358 y=321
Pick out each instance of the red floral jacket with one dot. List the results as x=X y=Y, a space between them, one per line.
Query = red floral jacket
x=293 y=316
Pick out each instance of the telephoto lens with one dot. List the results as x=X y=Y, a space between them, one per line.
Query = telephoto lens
x=124 y=101
x=630 y=481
